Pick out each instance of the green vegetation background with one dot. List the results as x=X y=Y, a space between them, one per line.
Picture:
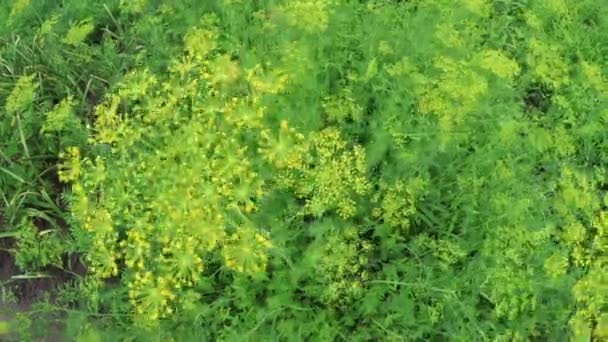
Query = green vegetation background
x=304 y=170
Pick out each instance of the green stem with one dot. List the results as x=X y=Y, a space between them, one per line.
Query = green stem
x=22 y=137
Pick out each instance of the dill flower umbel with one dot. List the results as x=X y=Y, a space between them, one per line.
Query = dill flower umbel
x=246 y=251
x=22 y=95
x=499 y=64
x=69 y=169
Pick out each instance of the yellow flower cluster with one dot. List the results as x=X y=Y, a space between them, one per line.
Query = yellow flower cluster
x=106 y=121
x=22 y=95
x=576 y=194
x=244 y=113
x=151 y=296
x=342 y=265
x=454 y=93
x=78 y=32
x=594 y=76
x=556 y=265
x=136 y=247
x=297 y=61
x=560 y=7
x=587 y=244
x=201 y=41
x=285 y=150
x=175 y=173
x=401 y=68
x=246 y=251
x=446 y=251
x=307 y=15
x=69 y=169
x=59 y=117
x=449 y=35
x=590 y=291
x=342 y=107
x=547 y=63
x=266 y=81
x=181 y=259
x=103 y=254
x=320 y=169
x=499 y=64
x=136 y=85
x=395 y=203
x=18 y=6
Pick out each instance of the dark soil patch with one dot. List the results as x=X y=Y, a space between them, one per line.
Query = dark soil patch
x=18 y=295
x=24 y=291
x=537 y=98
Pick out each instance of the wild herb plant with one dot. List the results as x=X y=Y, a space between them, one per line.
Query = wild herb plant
x=320 y=169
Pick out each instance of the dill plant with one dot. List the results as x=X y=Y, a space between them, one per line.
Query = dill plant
x=336 y=170
x=413 y=197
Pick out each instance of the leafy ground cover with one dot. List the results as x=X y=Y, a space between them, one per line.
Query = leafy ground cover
x=304 y=170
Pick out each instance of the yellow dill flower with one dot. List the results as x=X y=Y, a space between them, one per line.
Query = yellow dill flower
x=102 y=257
x=78 y=32
x=601 y=329
x=137 y=246
x=400 y=68
x=556 y=265
x=385 y=48
x=107 y=121
x=151 y=297
x=601 y=222
x=244 y=113
x=79 y=203
x=223 y=71
x=183 y=66
x=499 y=64
x=395 y=204
x=22 y=95
x=200 y=42
x=59 y=117
x=101 y=221
x=262 y=240
x=137 y=84
x=246 y=251
x=337 y=178
x=342 y=107
x=448 y=35
x=307 y=15
x=454 y=93
x=266 y=81
x=547 y=63
x=341 y=259
x=574 y=233
x=594 y=76
x=69 y=169
x=18 y=6
x=285 y=150
x=210 y=226
x=181 y=261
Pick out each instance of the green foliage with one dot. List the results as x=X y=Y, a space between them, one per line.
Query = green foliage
x=311 y=169
x=34 y=249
